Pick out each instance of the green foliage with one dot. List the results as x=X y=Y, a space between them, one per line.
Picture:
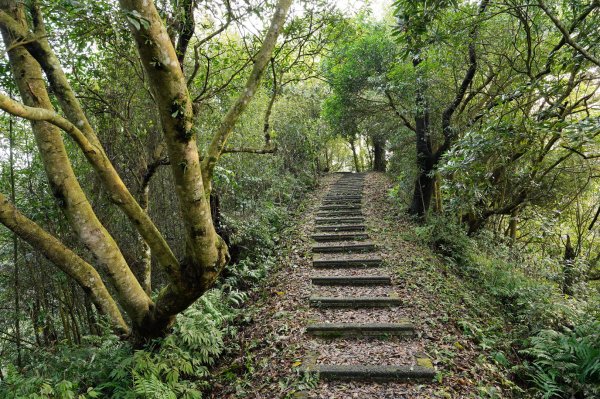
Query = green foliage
x=530 y=313
x=566 y=363
x=446 y=237
x=175 y=367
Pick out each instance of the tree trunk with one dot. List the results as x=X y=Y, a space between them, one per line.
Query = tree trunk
x=379 y=162
x=512 y=225
x=568 y=272
x=355 y=157
x=437 y=192
x=424 y=184
x=15 y=239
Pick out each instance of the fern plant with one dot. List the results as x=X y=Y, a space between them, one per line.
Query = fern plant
x=567 y=364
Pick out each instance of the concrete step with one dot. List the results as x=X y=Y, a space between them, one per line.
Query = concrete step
x=345 y=262
x=341 y=227
x=340 y=237
x=351 y=280
x=353 y=302
x=330 y=330
x=374 y=373
x=338 y=207
x=344 y=248
x=340 y=220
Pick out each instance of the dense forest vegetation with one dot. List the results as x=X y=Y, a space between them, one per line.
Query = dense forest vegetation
x=153 y=153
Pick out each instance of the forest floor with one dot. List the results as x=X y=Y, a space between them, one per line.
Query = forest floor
x=267 y=355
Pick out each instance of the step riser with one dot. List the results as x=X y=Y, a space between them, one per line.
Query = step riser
x=342 y=249
x=325 y=221
x=339 y=208
x=355 y=304
x=342 y=199
x=338 y=263
x=341 y=237
x=375 y=373
x=351 y=281
x=331 y=330
x=330 y=214
x=340 y=228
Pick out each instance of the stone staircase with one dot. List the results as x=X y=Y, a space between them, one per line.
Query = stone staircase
x=342 y=246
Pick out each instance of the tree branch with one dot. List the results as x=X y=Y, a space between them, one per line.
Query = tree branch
x=65 y=259
x=567 y=35
x=263 y=57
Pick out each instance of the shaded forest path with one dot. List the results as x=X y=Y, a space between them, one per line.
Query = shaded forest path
x=377 y=320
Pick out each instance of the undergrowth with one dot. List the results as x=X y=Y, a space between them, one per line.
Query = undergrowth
x=548 y=342
x=171 y=368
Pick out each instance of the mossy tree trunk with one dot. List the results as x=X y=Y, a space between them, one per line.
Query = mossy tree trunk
x=33 y=62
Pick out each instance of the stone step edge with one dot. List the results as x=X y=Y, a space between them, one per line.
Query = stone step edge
x=353 y=302
x=351 y=280
x=373 y=373
x=333 y=330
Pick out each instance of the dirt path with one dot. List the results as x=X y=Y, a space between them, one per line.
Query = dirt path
x=272 y=352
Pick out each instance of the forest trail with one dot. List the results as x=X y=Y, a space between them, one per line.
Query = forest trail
x=357 y=335
x=284 y=334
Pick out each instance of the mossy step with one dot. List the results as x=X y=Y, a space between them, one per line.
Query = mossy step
x=339 y=219
x=351 y=280
x=348 y=248
x=345 y=262
x=374 y=373
x=404 y=329
x=340 y=237
x=354 y=302
x=341 y=227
